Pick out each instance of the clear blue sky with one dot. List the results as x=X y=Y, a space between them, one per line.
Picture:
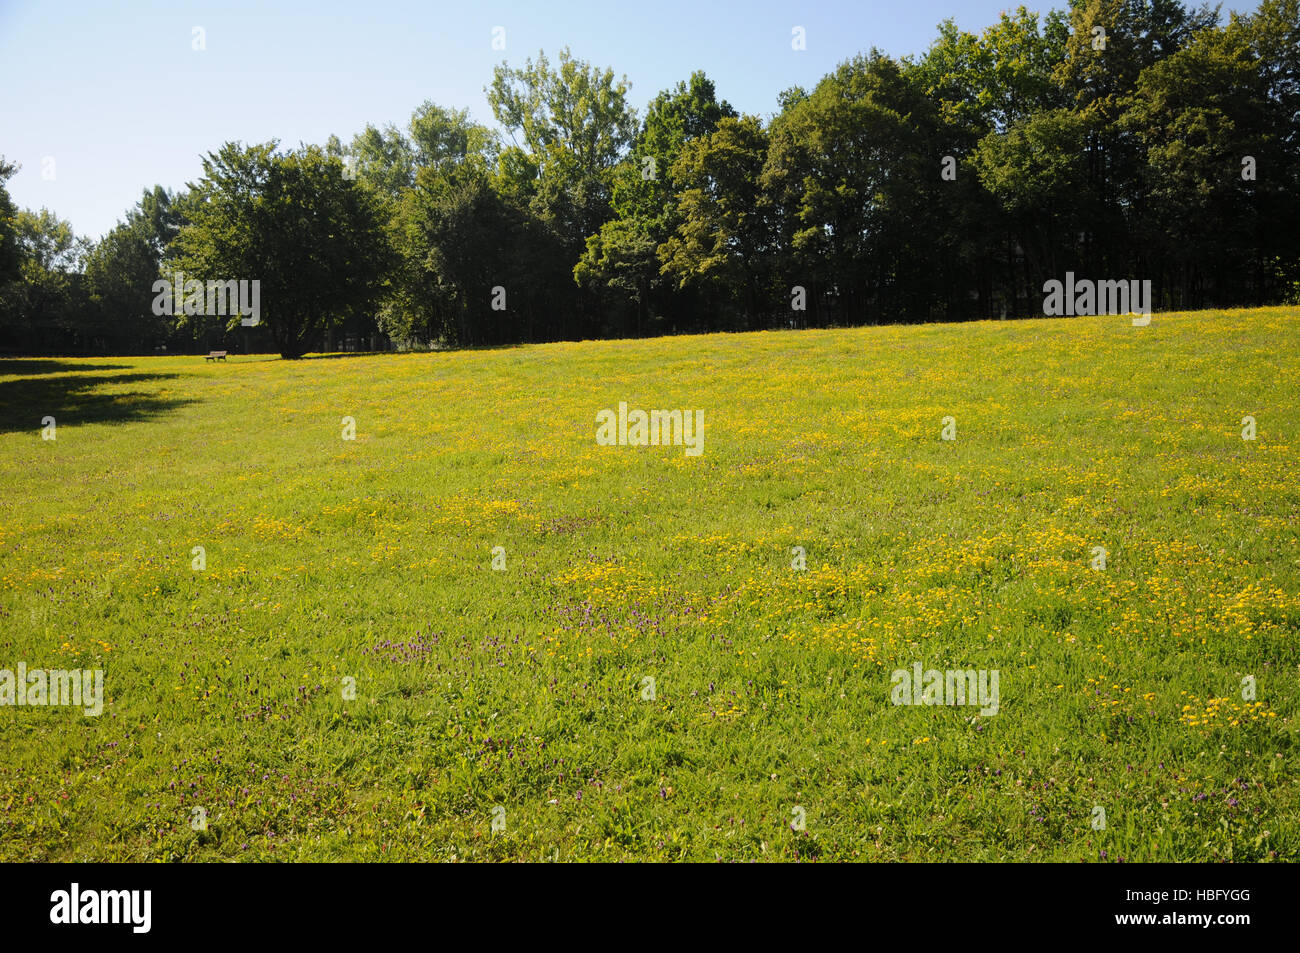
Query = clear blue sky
x=118 y=97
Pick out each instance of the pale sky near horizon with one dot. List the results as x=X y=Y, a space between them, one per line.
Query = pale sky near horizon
x=121 y=100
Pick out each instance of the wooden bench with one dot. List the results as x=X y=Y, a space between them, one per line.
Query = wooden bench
x=216 y=356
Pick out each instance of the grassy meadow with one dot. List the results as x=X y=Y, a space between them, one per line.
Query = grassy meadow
x=369 y=562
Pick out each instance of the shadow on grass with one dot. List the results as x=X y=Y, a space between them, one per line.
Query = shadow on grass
x=457 y=349
x=74 y=399
x=336 y=355
x=44 y=365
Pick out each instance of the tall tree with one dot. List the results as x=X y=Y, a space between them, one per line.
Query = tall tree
x=570 y=125
x=855 y=169
x=46 y=307
x=621 y=259
x=1274 y=33
x=121 y=270
x=726 y=239
x=1196 y=113
x=10 y=259
x=313 y=238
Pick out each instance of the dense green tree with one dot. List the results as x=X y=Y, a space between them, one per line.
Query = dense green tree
x=855 y=168
x=121 y=270
x=384 y=158
x=10 y=258
x=726 y=240
x=460 y=234
x=474 y=260
x=1274 y=33
x=621 y=259
x=445 y=138
x=47 y=307
x=986 y=83
x=1196 y=113
x=314 y=239
x=1098 y=73
x=573 y=123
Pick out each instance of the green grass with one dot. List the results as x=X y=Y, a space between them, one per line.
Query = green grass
x=371 y=559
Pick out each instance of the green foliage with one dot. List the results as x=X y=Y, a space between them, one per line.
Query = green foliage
x=726 y=233
x=313 y=238
x=47 y=306
x=122 y=268
x=621 y=260
x=852 y=167
x=986 y=83
x=575 y=124
x=10 y=254
x=461 y=240
x=385 y=159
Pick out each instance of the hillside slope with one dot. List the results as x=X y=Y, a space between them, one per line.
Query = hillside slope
x=345 y=674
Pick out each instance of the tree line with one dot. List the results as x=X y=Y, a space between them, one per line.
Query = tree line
x=1116 y=139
